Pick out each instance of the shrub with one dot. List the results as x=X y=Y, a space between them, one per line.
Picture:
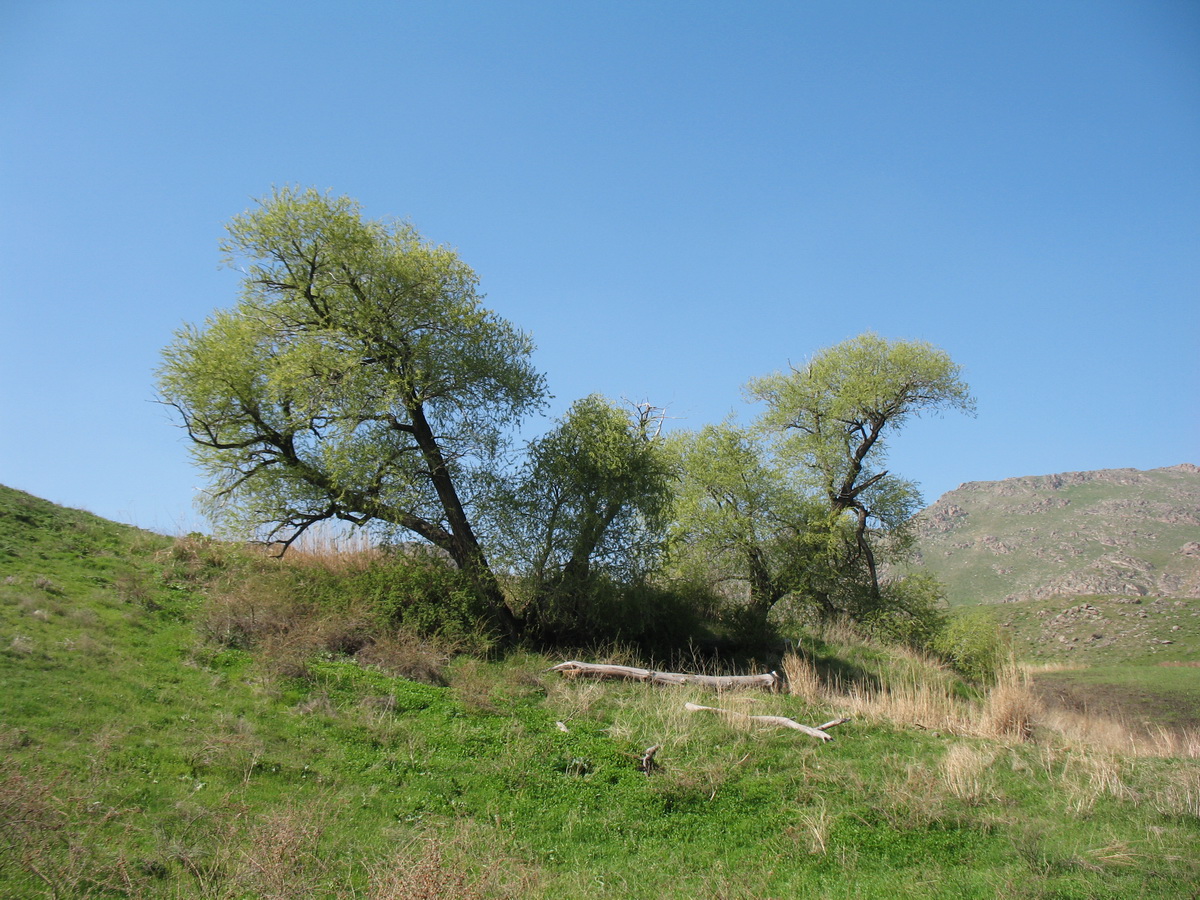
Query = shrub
x=654 y=619
x=422 y=596
x=972 y=643
x=912 y=612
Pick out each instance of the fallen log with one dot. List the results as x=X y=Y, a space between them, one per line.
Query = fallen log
x=779 y=721
x=573 y=668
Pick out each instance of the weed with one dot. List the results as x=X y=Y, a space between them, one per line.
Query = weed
x=1010 y=711
x=964 y=770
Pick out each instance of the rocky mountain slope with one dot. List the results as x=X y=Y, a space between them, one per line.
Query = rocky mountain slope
x=1120 y=532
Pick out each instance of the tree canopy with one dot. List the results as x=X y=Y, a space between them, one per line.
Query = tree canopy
x=590 y=502
x=832 y=420
x=359 y=378
x=737 y=519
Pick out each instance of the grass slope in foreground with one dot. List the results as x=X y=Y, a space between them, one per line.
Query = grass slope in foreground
x=146 y=754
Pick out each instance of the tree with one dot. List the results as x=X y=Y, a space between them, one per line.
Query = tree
x=359 y=378
x=737 y=519
x=832 y=419
x=590 y=503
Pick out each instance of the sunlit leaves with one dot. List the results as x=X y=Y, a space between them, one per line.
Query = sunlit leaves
x=359 y=365
x=593 y=496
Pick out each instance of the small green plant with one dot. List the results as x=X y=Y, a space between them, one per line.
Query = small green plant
x=973 y=644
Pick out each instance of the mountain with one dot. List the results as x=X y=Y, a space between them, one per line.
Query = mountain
x=1110 y=532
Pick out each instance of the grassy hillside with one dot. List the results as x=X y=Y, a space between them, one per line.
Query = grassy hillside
x=1111 y=532
x=1097 y=631
x=185 y=719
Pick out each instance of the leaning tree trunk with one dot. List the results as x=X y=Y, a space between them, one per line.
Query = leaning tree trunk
x=463 y=546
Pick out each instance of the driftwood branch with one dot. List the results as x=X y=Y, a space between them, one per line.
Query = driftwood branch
x=778 y=721
x=574 y=668
x=828 y=725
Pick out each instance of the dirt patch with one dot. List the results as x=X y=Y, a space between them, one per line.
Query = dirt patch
x=1140 y=707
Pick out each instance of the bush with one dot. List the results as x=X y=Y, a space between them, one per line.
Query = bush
x=973 y=644
x=912 y=612
x=425 y=597
x=655 y=619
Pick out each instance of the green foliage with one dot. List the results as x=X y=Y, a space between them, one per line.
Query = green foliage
x=738 y=524
x=973 y=643
x=424 y=596
x=912 y=611
x=359 y=378
x=584 y=520
x=841 y=402
x=831 y=422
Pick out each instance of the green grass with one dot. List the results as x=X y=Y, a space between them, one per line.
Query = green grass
x=1104 y=631
x=143 y=757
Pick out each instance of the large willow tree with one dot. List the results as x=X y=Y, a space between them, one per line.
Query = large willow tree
x=359 y=378
x=833 y=419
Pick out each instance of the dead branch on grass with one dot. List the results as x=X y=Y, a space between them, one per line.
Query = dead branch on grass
x=778 y=721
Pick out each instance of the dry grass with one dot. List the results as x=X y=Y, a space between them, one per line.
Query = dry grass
x=465 y=865
x=1180 y=796
x=921 y=695
x=53 y=834
x=1043 y=668
x=926 y=702
x=812 y=832
x=1011 y=709
x=1114 y=736
x=574 y=699
x=338 y=550
x=803 y=680
x=964 y=771
x=280 y=859
x=247 y=612
x=407 y=656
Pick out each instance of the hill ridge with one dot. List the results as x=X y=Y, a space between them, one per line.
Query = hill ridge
x=1121 y=531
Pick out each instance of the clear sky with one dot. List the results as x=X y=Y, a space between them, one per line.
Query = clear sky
x=672 y=197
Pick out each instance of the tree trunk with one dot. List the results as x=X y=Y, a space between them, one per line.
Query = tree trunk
x=764 y=593
x=860 y=535
x=463 y=546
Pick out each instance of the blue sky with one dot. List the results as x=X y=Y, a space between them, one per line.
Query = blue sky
x=672 y=197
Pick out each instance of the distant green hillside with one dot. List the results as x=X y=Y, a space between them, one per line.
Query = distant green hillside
x=1114 y=532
